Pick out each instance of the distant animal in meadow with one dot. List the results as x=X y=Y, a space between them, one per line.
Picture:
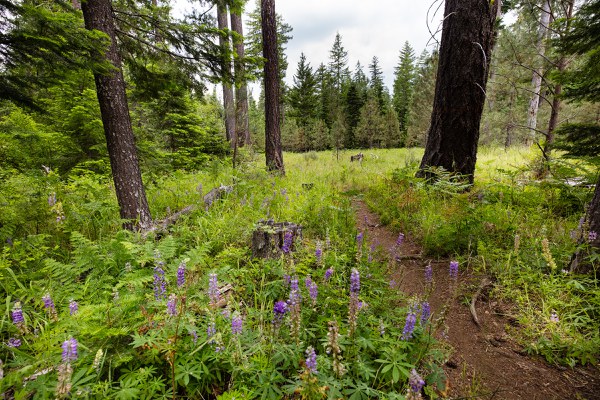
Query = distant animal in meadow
x=357 y=157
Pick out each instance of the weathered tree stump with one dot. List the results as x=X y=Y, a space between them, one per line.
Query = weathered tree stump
x=268 y=238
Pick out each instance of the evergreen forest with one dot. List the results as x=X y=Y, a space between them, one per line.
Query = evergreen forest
x=187 y=214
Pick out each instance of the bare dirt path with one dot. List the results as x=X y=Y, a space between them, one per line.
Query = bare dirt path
x=485 y=363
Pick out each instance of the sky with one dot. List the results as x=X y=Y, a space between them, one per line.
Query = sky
x=368 y=28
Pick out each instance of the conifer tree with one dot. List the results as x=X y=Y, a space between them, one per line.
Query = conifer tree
x=338 y=64
x=404 y=87
x=303 y=97
x=376 y=84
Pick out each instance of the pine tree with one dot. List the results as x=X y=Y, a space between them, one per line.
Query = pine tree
x=354 y=103
x=468 y=37
x=422 y=102
x=370 y=131
x=326 y=94
x=376 y=84
x=303 y=97
x=338 y=64
x=404 y=87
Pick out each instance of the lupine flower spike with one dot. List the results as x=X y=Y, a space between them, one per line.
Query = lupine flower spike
x=49 y=306
x=311 y=360
x=181 y=274
x=428 y=274
x=73 y=307
x=453 y=269
x=160 y=291
x=354 y=305
x=17 y=317
x=415 y=383
x=409 y=325
x=236 y=324
x=172 y=305
x=213 y=290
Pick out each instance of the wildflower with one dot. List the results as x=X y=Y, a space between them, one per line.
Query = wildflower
x=69 y=352
x=287 y=279
x=393 y=284
x=226 y=313
x=425 y=312
x=319 y=253
x=73 y=307
x=400 y=240
x=409 y=325
x=359 y=239
x=14 y=342
x=211 y=331
x=17 y=314
x=294 y=301
x=279 y=310
x=63 y=388
x=181 y=274
x=554 y=317
x=333 y=348
x=98 y=360
x=194 y=335
x=381 y=328
x=236 y=324
x=52 y=199
x=548 y=255
x=288 y=238
x=592 y=235
x=49 y=306
x=354 y=281
x=453 y=269
x=328 y=273
x=415 y=382
x=213 y=290
x=311 y=360
x=428 y=274
x=313 y=292
x=128 y=267
x=307 y=282
x=159 y=282
x=172 y=305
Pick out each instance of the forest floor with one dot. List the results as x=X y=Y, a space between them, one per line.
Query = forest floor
x=485 y=361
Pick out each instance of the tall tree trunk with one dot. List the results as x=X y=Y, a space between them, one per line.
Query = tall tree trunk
x=468 y=36
x=242 y=125
x=536 y=80
x=120 y=141
x=222 y=22
x=590 y=236
x=273 y=153
x=556 y=104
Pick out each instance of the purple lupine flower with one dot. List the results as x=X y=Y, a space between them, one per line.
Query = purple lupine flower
x=581 y=222
x=361 y=305
x=279 y=310
x=313 y=292
x=211 y=331
x=213 y=289
x=311 y=360
x=428 y=274
x=425 y=312
x=295 y=296
x=14 y=342
x=400 y=239
x=453 y=269
x=554 y=317
x=181 y=274
x=69 y=352
x=17 y=314
x=354 y=281
x=592 y=235
x=288 y=237
x=73 y=307
x=236 y=324
x=194 y=336
x=159 y=282
x=328 y=273
x=409 y=326
x=287 y=279
x=319 y=253
x=48 y=302
x=359 y=239
x=415 y=382
x=226 y=313
x=172 y=305
x=307 y=282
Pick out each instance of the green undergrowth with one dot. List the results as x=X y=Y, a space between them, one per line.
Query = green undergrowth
x=75 y=275
x=501 y=227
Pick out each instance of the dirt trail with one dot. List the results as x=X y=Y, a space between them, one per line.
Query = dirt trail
x=485 y=363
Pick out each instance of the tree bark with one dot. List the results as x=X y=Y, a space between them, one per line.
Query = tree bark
x=536 y=80
x=273 y=153
x=468 y=36
x=579 y=262
x=242 y=125
x=110 y=88
x=227 y=78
